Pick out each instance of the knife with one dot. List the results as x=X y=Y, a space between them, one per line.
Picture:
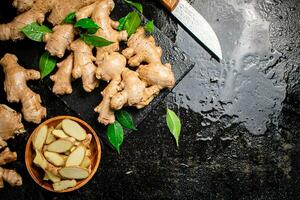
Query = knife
x=195 y=23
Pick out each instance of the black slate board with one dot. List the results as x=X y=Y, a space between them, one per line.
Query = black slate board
x=79 y=101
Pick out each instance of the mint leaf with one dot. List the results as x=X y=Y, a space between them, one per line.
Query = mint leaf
x=149 y=26
x=174 y=124
x=130 y=23
x=35 y=31
x=70 y=18
x=138 y=6
x=47 y=64
x=122 y=23
x=95 y=40
x=115 y=135
x=125 y=119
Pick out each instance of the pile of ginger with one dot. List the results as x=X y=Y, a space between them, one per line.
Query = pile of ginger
x=134 y=75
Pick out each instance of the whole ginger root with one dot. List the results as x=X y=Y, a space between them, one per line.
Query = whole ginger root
x=110 y=69
x=84 y=67
x=10 y=124
x=17 y=90
x=63 y=77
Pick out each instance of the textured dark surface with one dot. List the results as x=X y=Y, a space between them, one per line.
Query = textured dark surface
x=240 y=137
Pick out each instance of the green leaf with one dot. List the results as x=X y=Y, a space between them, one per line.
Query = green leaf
x=174 y=124
x=35 y=32
x=132 y=23
x=125 y=119
x=122 y=23
x=138 y=6
x=70 y=18
x=115 y=135
x=47 y=64
x=95 y=40
x=149 y=26
x=88 y=24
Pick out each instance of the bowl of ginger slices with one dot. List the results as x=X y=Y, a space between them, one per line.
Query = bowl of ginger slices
x=62 y=154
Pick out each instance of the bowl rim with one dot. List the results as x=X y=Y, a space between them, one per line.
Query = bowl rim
x=83 y=182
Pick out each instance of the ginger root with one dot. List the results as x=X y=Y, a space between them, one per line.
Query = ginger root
x=109 y=69
x=106 y=113
x=142 y=49
x=83 y=65
x=132 y=93
x=8 y=175
x=22 y=5
x=58 y=11
x=63 y=77
x=100 y=13
x=10 y=124
x=60 y=40
x=17 y=90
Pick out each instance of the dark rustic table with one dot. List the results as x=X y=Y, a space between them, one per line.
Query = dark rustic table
x=241 y=117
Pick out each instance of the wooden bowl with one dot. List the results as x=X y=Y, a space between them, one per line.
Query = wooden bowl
x=37 y=173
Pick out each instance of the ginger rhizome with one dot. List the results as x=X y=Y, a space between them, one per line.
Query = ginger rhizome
x=10 y=124
x=17 y=90
x=8 y=175
x=36 y=13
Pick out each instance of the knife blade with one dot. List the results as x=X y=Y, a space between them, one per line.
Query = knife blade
x=195 y=23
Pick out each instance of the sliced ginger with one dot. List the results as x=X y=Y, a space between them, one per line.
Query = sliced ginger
x=64 y=184
x=17 y=90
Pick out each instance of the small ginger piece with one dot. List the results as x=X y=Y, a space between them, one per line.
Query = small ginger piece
x=76 y=157
x=10 y=124
x=64 y=184
x=132 y=93
x=60 y=40
x=74 y=172
x=63 y=77
x=84 y=67
x=6 y=156
x=39 y=138
x=106 y=113
x=22 y=5
x=10 y=176
x=17 y=90
x=142 y=48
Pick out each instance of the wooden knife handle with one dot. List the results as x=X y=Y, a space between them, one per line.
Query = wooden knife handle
x=170 y=4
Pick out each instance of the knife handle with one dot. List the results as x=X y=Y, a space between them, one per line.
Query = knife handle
x=170 y=4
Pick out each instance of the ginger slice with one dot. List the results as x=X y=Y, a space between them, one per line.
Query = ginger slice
x=63 y=77
x=10 y=123
x=58 y=41
x=83 y=65
x=17 y=90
